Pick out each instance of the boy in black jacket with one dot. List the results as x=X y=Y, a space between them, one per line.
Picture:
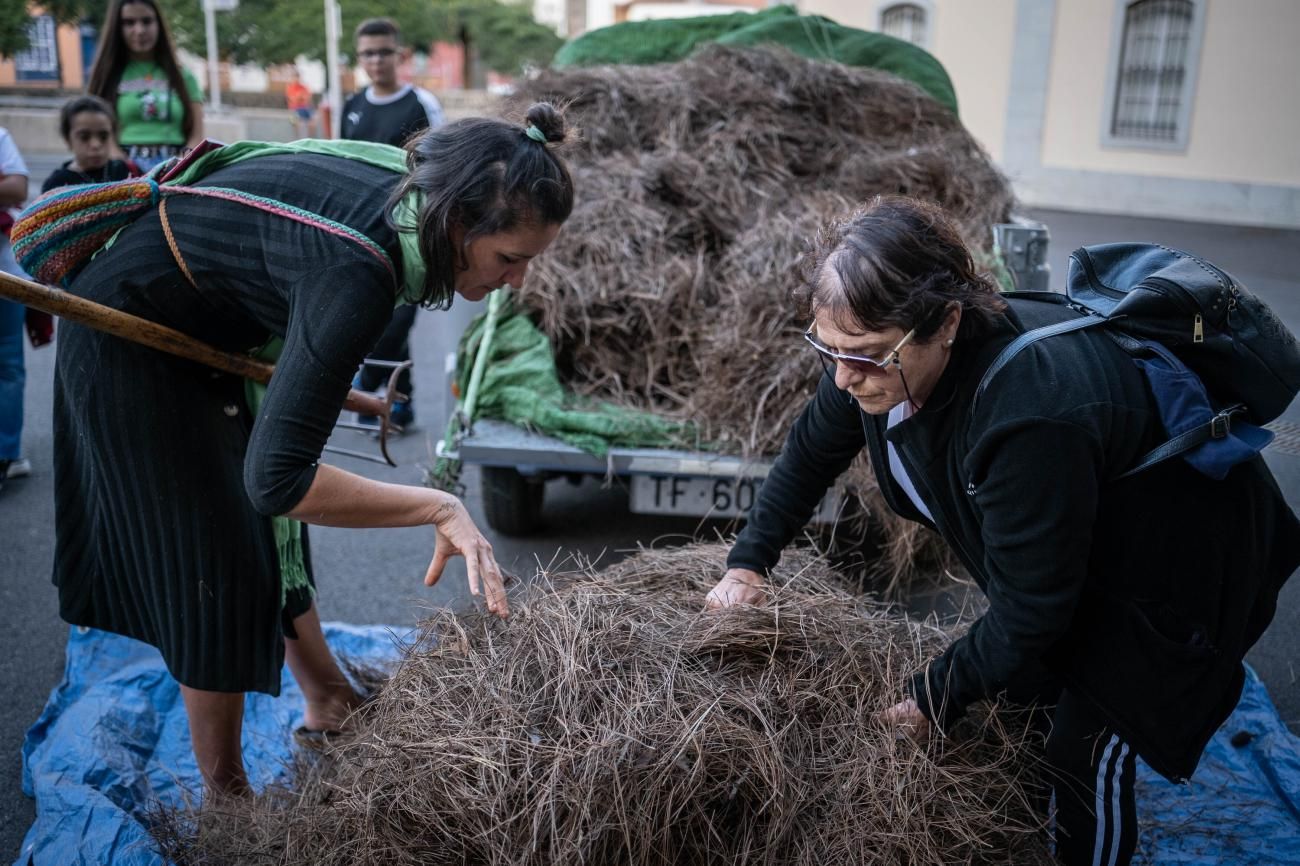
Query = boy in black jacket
x=388 y=112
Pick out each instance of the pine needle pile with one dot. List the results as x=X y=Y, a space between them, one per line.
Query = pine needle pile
x=698 y=184
x=610 y=721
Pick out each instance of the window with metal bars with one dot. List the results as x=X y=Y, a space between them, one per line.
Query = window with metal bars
x=904 y=21
x=1151 y=84
x=40 y=62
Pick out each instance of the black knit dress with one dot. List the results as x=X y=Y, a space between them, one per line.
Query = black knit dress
x=163 y=482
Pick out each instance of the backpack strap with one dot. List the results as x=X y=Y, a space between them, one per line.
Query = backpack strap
x=288 y=211
x=59 y=233
x=1026 y=339
x=1217 y=428
x=171 y=244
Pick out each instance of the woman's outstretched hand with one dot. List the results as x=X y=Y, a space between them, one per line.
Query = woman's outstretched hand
x=340 y=498
x=458 y=536
x=738 y=586
x=907 y=720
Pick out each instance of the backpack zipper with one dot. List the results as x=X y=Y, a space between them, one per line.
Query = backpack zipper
x=1169 y=289
x=1180 y=297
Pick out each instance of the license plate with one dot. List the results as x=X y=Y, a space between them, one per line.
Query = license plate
x=706 y=497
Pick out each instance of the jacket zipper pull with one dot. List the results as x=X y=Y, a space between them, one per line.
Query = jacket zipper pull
x=1198 y=330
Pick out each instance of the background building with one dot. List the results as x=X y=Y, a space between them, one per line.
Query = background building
x=59 y=55
x=1171 y=108
x=1175 y=108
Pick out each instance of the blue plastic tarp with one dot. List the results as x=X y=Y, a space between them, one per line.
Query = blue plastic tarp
x=1242 y=806
x=113 y=742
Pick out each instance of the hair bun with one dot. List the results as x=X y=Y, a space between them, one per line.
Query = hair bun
x=549 y=120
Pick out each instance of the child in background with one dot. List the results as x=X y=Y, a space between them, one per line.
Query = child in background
x=89 y=127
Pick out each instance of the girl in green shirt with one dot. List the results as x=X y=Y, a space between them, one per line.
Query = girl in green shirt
x=159 y=105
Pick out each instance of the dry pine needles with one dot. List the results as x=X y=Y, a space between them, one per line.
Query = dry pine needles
x=699 y=183
x=610 y=721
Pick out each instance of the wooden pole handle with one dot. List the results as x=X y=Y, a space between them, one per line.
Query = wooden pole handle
x=68 y=306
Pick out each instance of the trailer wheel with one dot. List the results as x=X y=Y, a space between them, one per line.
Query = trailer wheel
x=512 y=502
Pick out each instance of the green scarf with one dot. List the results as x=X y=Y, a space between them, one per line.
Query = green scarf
x=288 y=532
x=407 y=218
x=405 y=215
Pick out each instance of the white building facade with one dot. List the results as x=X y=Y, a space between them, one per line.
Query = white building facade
x=552 y=13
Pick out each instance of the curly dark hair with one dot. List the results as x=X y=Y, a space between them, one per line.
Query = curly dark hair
x=897 y=262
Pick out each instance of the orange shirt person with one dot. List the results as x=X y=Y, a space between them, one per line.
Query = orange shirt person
x=297 y=97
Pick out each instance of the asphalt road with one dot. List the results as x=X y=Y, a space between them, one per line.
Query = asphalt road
x=375 y=576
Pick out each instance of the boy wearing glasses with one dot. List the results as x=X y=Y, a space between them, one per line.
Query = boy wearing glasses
x=387 y=111
x=390 y=113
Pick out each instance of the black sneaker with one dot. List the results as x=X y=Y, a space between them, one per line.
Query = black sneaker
x=402 y=415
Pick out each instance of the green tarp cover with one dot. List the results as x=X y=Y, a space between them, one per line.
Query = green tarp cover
x=812 y=36
x=520 y=385
x=657 y=41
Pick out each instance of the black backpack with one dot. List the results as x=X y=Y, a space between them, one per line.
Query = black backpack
x=1157 y=301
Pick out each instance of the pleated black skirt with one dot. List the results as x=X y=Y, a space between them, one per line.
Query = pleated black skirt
x=156 y=538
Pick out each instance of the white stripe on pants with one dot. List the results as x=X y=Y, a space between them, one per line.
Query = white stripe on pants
x=1109 y=811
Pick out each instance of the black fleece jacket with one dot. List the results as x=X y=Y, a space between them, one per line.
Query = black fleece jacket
x=1142 y=596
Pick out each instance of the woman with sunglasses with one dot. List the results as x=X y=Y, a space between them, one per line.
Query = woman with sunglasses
x=1120 y=610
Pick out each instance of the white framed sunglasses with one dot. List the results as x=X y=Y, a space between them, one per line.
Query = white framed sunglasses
x=858 y=363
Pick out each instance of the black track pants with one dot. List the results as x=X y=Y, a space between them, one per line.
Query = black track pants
x=1093 y=774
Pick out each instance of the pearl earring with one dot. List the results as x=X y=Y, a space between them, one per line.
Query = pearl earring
x=948 y=343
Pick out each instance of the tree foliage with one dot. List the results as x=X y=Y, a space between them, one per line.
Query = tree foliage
x=506 y=35
x=13 y=27
x=15 y=19
x=278 y=31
